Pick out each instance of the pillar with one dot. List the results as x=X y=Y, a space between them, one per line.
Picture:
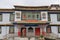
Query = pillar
x=20 y=15
x=26 y=31
x=34 y=31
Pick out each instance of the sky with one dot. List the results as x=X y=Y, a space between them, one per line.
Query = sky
x=11 y=3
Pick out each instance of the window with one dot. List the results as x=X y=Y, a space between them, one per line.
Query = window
x=58 y=17
x=18 y=15
x=44 y=15
x=49 y=19
x=0 y=17
x=48 y=29
x=58 y=29
x=11 y=17
x=23 y=16
x=31 y=15
x=0 y=30
x=11 y=29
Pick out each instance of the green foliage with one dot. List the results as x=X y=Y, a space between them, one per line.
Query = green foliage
x=41 y=36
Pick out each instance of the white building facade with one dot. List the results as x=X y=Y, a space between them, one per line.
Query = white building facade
x=25 y=21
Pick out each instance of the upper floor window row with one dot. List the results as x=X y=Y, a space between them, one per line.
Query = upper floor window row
x=32 y=15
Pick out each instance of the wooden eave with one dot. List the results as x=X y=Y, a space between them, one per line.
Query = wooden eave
x=54 y=24
x=48 y=8
x=31 y=7
x=6 y=10
x=6 y=24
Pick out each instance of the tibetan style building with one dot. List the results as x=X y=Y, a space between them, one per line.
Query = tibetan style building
x=30 y=21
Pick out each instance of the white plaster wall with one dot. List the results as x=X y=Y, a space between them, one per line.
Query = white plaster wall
x=54 y=19
x=5 y=30
x=5 y=18
x=45 y=29
x=55 y=30
x=16 y=30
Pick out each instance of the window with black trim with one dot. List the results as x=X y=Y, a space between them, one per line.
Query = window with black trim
x=11 y=29
x=48 y=29
x=31 y=15
x=11 y=17
x=58 y=29
x=58 y=17
x=1 y=17
x=0 y=29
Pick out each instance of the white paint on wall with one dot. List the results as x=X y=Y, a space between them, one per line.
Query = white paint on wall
x=5 y=18
x=16 y=30
x=54 y=19
x=45 y=29
x=54 y=29
x=5 y=31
